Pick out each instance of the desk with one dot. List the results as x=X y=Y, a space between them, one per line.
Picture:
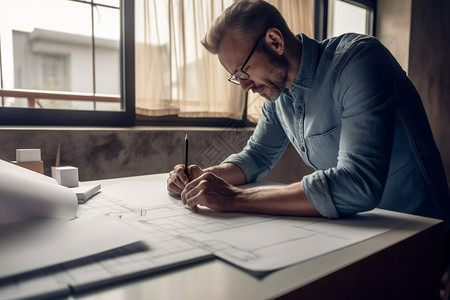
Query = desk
x=401 y=263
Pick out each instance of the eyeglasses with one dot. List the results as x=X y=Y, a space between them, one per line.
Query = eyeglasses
x=241 y=74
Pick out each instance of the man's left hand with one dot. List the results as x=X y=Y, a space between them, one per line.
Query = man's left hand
x=210 y=191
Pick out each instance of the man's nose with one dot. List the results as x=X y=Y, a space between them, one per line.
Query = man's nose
x=246 y=84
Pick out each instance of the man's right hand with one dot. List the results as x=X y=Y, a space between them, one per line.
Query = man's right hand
x=178 y=180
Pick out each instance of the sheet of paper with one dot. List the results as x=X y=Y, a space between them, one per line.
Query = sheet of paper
x=259 y=243
x=25 y=194
x=139 y=194
x=38 y=244
x=265 y=243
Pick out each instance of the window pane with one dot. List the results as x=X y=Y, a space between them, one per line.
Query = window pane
x=47 y=34
x=347 y=17
x=46 y=45
x=107 y=50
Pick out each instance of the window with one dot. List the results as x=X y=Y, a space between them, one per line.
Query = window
x=335 y=17
x=349 y=17
x=72 y=62
x=66 y=55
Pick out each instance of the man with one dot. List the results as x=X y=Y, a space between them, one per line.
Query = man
x=346 y=106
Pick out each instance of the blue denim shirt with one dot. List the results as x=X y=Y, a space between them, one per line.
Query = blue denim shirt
x=355 y=117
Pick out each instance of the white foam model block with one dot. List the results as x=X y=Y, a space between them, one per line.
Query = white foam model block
x=66 y=176
x=27 y=155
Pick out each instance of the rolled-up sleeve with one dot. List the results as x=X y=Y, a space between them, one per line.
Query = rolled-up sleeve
x=315 y=187
x=264 y=148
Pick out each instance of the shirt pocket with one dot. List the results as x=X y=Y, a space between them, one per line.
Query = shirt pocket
x=323 y=148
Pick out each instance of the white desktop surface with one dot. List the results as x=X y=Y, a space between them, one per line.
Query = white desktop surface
x=216 y=279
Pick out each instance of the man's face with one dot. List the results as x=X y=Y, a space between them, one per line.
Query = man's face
x=268 y=71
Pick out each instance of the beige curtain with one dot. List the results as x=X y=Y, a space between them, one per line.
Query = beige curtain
x=176 y=75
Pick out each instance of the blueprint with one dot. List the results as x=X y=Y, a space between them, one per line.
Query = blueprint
x=175 y=235
x=255 y=242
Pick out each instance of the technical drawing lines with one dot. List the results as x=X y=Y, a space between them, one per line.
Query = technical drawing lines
x=102 y=204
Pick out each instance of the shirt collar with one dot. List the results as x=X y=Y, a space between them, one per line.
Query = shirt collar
x=308 y=63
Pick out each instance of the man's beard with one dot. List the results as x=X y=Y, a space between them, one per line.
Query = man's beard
x=276 y=75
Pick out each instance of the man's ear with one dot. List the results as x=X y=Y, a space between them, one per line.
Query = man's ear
x=274 y=39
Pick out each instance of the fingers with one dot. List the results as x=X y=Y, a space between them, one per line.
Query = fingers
x=194 y=201
x=178 y=170
x=178 y=184
x=173 y=189
x=177 y=181
x=194 y=172
x=195 y=184
x=191 y=196
x=194 y=193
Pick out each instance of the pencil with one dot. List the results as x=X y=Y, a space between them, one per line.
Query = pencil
x=58 y=155
x=186 y=152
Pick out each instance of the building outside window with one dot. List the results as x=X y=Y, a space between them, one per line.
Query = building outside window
x=54 y=72
x=67 y=47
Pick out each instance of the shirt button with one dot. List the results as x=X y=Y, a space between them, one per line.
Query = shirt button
x=302 y=148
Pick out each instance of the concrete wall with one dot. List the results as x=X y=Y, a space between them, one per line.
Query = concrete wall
x=393 y=28
x=429 y=67
x=101 y=153
x=423 y=49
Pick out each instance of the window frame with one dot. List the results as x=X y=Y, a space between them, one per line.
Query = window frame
x=54 y=117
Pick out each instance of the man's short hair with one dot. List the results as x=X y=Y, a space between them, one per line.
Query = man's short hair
x=249 y=19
